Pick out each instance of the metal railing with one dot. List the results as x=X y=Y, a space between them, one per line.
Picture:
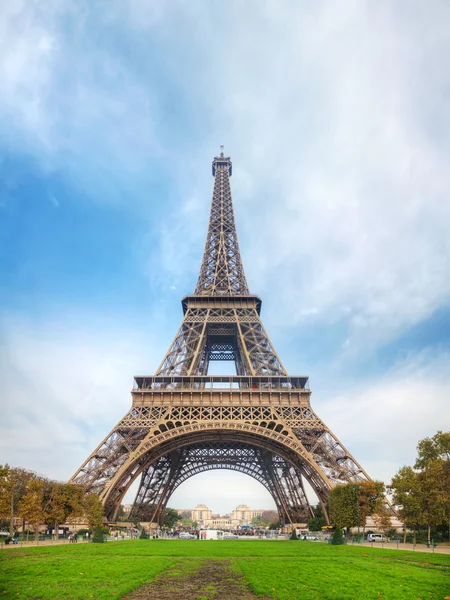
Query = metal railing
x=216 y=382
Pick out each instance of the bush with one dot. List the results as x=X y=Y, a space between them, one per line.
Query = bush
x=337 y=537
x=392 y=532
x=143 y=535
x=97 y=538
x=293 y=535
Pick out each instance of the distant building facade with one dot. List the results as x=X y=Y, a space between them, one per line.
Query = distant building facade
x=201 y=514
x=243 y=515
x=219 y=523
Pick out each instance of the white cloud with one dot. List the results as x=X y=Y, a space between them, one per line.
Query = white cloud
x=336 y=121
x=380 y=421
x=69 y=102
x=340 y=142
x=65 y=384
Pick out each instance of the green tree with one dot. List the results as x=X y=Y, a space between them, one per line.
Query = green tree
x=13 y=486
x=423 y=492
x=55 y=511
x=63 y=500
x=435 y=487
x=370 y=500
x=337 y=536
x=352 y=503
x=344 y=506
x=407 y=495
x=94 y=510
x=5 y=501
x=258 y=521
x=318 y=521
x=98 y=537
x=171 y=517
x=435 y=448
x=30 y=507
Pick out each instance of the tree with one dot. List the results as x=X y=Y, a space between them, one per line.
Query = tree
x=370 y=500
x=434 y=483
x=5 y=503
x=258 y=521
x=13 y=485
x=56 y=511
x=63 y=500
x=30 y=507
x=270 y=517
x=75 y=498
x=435 y=448
x=407 y=495
x=293 y=535
x=382 y=518
x=94 y=510
x=352 y=503
x=434 y=461
x=171 y=517
x=318 y=521
x=316 y=524
x=344 y=506
x=423 y=492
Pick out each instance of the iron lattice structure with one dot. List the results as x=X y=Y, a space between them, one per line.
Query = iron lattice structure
x=183 y=421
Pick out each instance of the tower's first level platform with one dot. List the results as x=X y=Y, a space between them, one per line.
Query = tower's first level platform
x=231 y=390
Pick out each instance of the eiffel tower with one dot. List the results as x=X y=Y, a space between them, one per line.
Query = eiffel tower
x=183 y=421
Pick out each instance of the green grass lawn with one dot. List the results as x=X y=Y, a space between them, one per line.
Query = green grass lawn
x=282 y=570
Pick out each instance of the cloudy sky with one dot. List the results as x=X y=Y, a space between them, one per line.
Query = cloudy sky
x=337 y=121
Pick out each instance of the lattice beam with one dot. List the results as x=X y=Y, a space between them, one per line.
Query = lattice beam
x=221 y=271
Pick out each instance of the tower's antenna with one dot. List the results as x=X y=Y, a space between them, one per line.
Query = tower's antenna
x=221 y=151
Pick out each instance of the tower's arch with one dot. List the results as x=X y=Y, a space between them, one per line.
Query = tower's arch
x=161 y=478
x=278 y=462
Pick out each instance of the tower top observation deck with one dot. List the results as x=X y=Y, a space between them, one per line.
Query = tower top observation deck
x=222 y=161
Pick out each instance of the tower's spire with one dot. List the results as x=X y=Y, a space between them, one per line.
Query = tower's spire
x=221 y=271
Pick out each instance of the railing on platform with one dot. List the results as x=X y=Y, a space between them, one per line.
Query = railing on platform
x=232 y=382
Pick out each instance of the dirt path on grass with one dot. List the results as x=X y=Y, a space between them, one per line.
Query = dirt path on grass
x=213 y=580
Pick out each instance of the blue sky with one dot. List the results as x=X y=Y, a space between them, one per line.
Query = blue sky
x=337 y=122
